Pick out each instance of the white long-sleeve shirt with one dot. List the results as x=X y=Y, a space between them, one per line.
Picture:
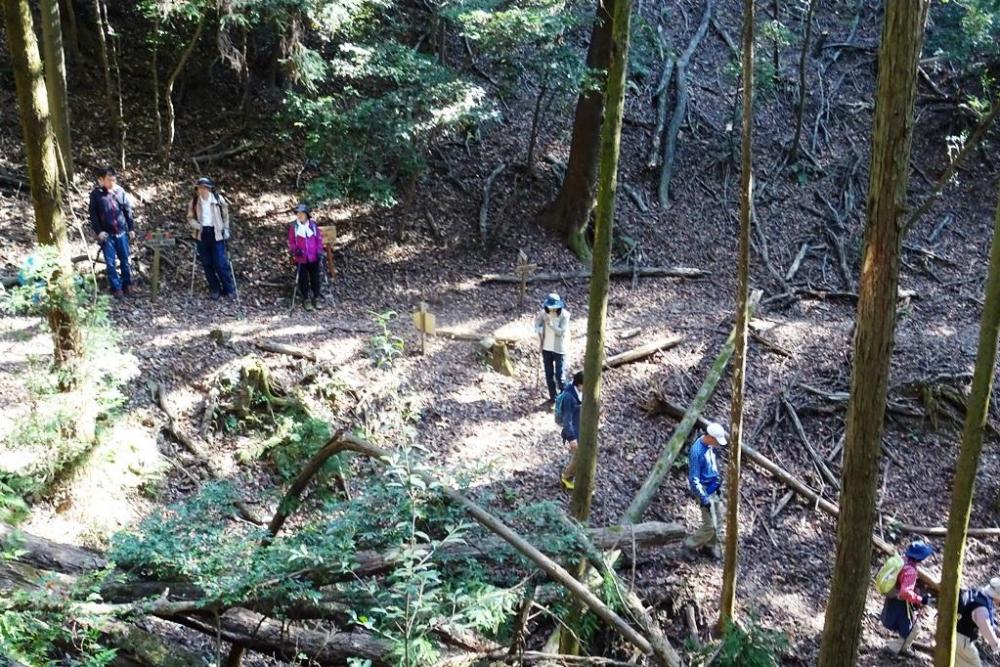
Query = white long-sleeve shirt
x=554 y=330
x=982 y=619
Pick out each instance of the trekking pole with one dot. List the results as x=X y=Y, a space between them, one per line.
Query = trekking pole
x=295 y=289
x=194 y=264
x=910 y=638
x=236 y=290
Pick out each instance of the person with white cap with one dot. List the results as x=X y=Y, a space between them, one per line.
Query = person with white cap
x=704 y=482
x=975 y=619
x=552 y=327
x=208 y=217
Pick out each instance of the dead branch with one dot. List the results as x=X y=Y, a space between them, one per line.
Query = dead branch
x=813 y=454
x=643 y=351
x=726 y=37
x=797 y=262
x=616 y=272
x=280 y=348
x=941 y=531
x=661 y=96
x=636 y=197
x=245 y=147
x=680 y=108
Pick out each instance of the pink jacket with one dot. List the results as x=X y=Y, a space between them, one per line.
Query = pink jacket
x=305 y=251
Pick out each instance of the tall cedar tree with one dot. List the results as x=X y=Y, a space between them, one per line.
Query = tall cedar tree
x=610 y=146
x=43 y=171
x=570 y=212
x=740 y=340
x=976 y=415
x=55 y=83
x=902 y=38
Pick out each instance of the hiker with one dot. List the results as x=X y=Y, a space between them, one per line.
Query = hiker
x=111 y=218
x=552 y=327
x=568 y=415
x=305 y=242
x=208 y=216
x=975 y=618
x=704 y=482
x=903 y=598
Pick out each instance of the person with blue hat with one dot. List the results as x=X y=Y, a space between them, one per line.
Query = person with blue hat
x=552 y=327
x=898 y=610
x=208 y=217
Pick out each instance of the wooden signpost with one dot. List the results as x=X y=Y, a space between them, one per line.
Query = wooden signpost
x=425 y=322
x=523 y=271
x=157 y=241
x=329 y=241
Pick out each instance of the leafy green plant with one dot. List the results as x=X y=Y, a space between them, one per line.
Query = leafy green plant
x=750 y=646
x=384 y=347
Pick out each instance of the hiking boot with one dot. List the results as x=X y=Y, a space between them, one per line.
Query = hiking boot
x=215 y=296
x=568 y=483
x=317 y=304
x=128 y=291
x=119 y=295
x=307 y=306
x=714 y=552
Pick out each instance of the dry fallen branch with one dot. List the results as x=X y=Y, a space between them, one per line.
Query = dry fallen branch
x=616 y=272
x=484 y=209
x=643 y=351
x=280 y=348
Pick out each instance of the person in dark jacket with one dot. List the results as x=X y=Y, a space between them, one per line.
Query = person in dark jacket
x=898 y=609
x=305 y=243
x=976 y=618
x=111 y=218
x=571 y=401
x=704 y=482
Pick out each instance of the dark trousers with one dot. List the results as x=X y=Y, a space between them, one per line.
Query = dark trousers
x=117 y=247
x=553 y=363
x=309 y=279
x=218 y=272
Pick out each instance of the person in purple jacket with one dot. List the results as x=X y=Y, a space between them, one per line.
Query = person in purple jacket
x=305 y=242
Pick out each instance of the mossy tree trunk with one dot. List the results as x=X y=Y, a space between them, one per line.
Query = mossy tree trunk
x=902 y=39
x=43 y=172
x=976 y=414
x=728 y=601
x=569 y=214
x=55 y=83
x=611 y=134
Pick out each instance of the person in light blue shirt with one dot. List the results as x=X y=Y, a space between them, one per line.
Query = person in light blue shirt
x=704 y=482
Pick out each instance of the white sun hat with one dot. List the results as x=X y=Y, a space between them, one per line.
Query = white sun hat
x=718 y=432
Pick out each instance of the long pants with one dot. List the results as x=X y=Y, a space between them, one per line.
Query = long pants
x=117 y=247
x=309 y=278
x=218 y=272
x=553 y=363
x=966 y=654
x=569 y=472
x=708 y=533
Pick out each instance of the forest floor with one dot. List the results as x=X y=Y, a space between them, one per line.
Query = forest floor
x=474 y=419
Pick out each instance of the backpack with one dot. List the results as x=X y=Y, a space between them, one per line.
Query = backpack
x=886 y=578
x=558 y=412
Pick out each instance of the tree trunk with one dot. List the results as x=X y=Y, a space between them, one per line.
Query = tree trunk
x=776 y=43
x=570 y=212
x=71 y=36
x=119 y=114
x=43 y=171
x=977 y=412
x=168 y=93
x=611 y=135
x=803 y=62
x=154 y=66
x=728 y=602
x=902 y=38
x=55 y=83
x=102 y=52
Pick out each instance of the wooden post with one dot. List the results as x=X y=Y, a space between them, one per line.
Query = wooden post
x=425 y=322
x=523 y=271
x=157 y=241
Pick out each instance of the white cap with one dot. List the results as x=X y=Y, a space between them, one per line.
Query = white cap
x=716 y=431
x=993 y=590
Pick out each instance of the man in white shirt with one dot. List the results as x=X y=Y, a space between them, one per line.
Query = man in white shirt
x=552 y=327
x=975 y=619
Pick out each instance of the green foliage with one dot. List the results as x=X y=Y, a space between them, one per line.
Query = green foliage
x=752 y=646
x=296 y=438
x=967 y=32
x=384 y=346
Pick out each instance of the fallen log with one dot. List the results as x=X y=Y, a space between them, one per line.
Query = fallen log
x=643 y=351
x=673 y=447
x=280 y=348
x=473 y=336
x=47 y=554
x=821 y=465
x=616 y=272
x=941 y=531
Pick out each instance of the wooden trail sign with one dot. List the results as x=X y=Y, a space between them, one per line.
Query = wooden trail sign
x=523 y=271
x=425 y=322
x=157 y=241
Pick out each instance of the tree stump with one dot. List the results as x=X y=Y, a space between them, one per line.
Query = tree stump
x=499 y=357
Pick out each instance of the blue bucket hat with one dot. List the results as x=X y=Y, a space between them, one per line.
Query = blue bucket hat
x=918 y=551
x=303 y=208
x=553 y=301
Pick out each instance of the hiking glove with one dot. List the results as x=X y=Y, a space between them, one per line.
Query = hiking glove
x=925 y=599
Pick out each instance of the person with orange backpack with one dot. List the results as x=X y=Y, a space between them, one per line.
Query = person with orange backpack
x=903 y=598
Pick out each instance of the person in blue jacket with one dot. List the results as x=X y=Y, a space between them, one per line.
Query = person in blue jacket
x=572 y=399
x=110 y=212
x=704 y=482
